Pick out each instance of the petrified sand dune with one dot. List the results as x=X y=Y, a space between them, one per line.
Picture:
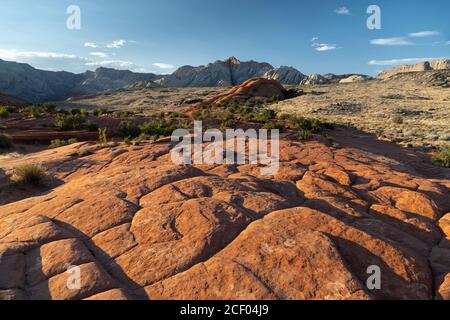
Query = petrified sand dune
x=257 y=88
x=141 y=228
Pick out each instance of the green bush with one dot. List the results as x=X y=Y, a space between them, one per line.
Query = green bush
x=61 y=143
x=5 y=142
x=313 y=125
x=4 y=113
x=70 y=122
x=29 y=173
x=128 y=129
x=48 y=107
x=32 y=111
x=442 y=156
x=158 y=127
x=397 y=120
x=99 y=112
x=304 y=135
x=124 y=113
x=272 y=125
x=91 y=126
x=265 y=115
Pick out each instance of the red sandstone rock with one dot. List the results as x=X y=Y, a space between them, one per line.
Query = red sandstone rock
x=140 y=227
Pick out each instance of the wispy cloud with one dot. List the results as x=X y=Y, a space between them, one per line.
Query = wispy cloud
x=116 y=64
x=314 y=39
x=164 y=65
x=90 y=45
x=326 y=47
x=343 y=10
x=99 y=54
x=424 y=34
x=394 y=62
x=117 y=44
x=399 y=41
x=15 y=55
x=323 y=46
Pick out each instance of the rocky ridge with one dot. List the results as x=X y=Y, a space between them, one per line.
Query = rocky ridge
x=442 y=64
x=25 y=82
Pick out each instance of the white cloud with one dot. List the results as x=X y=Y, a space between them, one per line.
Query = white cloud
x=117 y=44
x=90 y=45
x=391 y=42
x=342 y=10
x=116 y=64
x=16 y=55
x=424 y=34
x=164 y=65
x=394 y=62
x=314 y=39
x=99 y=54
x=326 y=47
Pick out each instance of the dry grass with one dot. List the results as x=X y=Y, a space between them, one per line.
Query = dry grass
x=377 y=107
x=30 y=173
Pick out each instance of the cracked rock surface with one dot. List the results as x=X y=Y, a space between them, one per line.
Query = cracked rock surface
x=139 y=227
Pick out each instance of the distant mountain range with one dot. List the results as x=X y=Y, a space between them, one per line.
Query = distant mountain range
x=22 y=81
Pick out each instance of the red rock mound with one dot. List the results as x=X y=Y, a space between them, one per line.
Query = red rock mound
x=139 y=227
x=257 y=88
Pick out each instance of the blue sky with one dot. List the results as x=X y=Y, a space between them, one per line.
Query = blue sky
x=161 y=35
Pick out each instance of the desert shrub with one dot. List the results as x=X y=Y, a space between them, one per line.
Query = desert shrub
x=304 y=135
x=70 y=122
x=91 y=126
x=273 y=99
x=32 y=111
x=48 y=107
x=313 y=125
x=128 y=129
x=176 y=115
x=63 y=111
x=265 y=115
x=227 y=124
x=99 y=112
x=124 y=113
x=57 y=143
x=4 y=113
x=442 y=156
x=158 y=127
x=29 y=173
x=245 y=112
x=5 y=142
x=272 y=125
x=397 y=120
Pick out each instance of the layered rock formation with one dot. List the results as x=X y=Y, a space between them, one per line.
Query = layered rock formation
x=285 y=75
x=139 y=227
x=423 y=66
x=315 y=79
x=218 y=74
x=354 y=78
x=253 y=89
x=34 y=85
